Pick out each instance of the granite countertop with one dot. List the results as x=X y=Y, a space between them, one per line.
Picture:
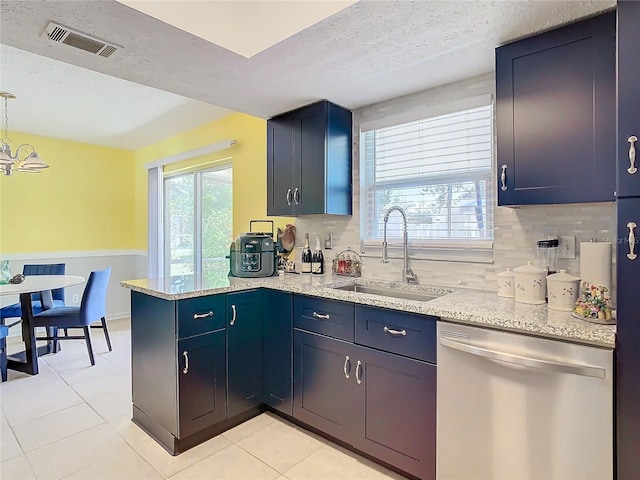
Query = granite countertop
x=459 y=305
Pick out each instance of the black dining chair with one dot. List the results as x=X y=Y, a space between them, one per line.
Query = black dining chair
x=4 y=331
x=37 y=300
x=92 y=308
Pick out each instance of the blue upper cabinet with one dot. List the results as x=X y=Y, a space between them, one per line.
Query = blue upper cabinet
x=309 y=161
x=628 y=99
x=556 y=115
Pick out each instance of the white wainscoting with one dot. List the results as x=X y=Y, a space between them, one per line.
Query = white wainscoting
x=125 y=265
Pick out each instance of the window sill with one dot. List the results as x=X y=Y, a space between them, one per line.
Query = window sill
x=481 y=253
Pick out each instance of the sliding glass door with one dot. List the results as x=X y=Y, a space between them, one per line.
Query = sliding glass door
x=198 y=222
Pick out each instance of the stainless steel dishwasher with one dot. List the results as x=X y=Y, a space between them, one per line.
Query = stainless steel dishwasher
x=513 y=406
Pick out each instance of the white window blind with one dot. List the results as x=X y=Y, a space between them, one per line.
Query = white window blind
x=438 y=170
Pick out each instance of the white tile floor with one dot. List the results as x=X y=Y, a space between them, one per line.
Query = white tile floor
x=73 y=421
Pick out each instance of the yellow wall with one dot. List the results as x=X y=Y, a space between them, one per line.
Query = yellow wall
x=249 y=159
x=83 y=201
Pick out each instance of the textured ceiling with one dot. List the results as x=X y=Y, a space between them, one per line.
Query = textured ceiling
x=367 y=53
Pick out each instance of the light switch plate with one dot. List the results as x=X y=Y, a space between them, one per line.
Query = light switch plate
x=567 y=247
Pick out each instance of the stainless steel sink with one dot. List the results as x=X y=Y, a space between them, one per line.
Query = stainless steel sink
x=390 y=292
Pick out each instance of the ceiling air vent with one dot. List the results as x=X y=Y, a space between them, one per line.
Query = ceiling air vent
x=61 y=34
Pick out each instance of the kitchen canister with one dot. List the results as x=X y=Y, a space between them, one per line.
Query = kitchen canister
x=563 y=290
x=506 y=284
x=531 y=284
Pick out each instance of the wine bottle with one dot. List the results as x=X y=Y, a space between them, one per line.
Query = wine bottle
x=306 y=255
x=317 y=261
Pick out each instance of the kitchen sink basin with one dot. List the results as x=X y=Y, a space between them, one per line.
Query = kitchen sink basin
x=390 y=292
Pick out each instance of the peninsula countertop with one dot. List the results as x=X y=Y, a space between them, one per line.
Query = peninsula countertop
x=461 y=305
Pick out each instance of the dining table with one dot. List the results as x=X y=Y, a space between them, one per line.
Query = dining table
x=27 y=361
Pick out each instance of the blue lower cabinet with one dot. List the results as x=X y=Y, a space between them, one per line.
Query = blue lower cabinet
x=244 y=355
x=627 y=352
x=327 y=395
x=201 y=382
x=277 y=351
x=399 y=402
x=380 y=403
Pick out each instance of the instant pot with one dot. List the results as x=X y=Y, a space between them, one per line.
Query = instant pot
x=253 y=254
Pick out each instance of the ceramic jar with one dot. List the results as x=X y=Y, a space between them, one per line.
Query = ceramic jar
x=531 y=284
x=563 y=290
x=506 y=284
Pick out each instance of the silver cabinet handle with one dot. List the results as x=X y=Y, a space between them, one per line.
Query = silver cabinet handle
x=346 y=368
x=296 y=196
x=320 y=316
x=632 y=154
x=233 y=315
x=584 y=370
x=186 y=362
x=632 y=241
x=397 y=333
x=288 y=197
x=359 y=372
x=196 y=316
x=503 y=177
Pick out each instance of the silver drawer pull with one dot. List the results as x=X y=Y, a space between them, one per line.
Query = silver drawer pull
x=632 y=241
x=233 y=315
x=503 y=177
x=196 y=316
x=296 y=196
x=398 y=333
x=320 y=316
x=346 y=368
x=186 y=362
x=632 y=154
x=289 y=197
x=359 y=372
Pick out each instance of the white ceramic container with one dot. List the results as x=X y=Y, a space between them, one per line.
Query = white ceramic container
x=531 y=284
x=506 y=284
x=563 y=290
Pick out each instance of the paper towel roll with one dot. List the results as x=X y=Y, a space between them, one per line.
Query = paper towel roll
x=595 y=263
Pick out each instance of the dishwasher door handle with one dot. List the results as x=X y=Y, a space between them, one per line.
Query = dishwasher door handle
x=584 y=370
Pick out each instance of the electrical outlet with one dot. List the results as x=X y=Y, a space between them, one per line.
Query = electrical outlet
x=75 y=298
x=328 y=241
x=567 y=247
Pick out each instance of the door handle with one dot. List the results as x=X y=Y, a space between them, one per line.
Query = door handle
x=632 y=154
x=346 y=368
x=632 y=241
x=320 y=316
x=583 y=370
x=296 y=196
x=233 y=315
x=197 y=316
x=288 y=197
x=186 y=362
x=503 y=177
x=397 y=333
x=359 y=372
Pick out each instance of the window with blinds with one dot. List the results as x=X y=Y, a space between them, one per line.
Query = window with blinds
x=438 y=170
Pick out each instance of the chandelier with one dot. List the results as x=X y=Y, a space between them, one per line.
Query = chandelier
x=25 y=158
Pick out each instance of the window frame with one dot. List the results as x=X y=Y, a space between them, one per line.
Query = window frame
x=479 y=250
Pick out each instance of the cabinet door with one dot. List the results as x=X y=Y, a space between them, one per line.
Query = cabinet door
x=280 y=146
x=244 y=343
x=201 y=382
x=326 y=394
x=628 y=340
x=628 y=98
x=310 y=126
x=400 y=411
x=555 y=110
x=277 y=357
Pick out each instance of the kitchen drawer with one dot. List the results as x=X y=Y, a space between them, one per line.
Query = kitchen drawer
x=200 y=315
x=327 y=317
x=406 y=334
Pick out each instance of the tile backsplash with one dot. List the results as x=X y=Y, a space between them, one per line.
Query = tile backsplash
x=516 y=229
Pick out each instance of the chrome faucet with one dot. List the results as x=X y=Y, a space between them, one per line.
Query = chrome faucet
x=407 y=274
